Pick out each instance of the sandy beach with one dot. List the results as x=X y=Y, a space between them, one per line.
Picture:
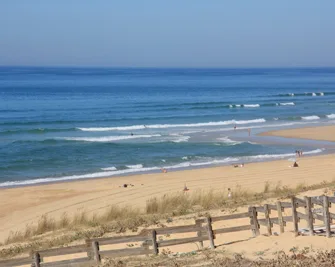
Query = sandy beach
x=25 y=205
x=324 y=133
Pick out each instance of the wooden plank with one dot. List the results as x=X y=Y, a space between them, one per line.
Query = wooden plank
x=272 y=207
x=287 y=219
x=326 y=215
x=267 y=219
x=317 y=201
x=294 y=216
x=16 y=262
x=231 y=229
x=286 y=205
x=118 y=239
x=198 y=223
x=96 y=255
x=210 y=232
x=231 y=216
x=262 y=222
x=260 y=209
x=299 y=202
x=177 y=229
x=310 y=219
x=254 y=221
x=63 y=251
x=302 y=216
x=64 y=263
x=173 y=242
x=124 y=252
x=318 y=217
x=36 y=260
x=154 y=241
x=280 y=217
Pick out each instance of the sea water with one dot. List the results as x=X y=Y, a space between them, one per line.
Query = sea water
x=60 y=124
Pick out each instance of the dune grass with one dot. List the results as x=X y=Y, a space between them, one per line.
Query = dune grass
x=118 y=219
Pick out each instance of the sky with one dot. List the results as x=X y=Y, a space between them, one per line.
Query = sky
x=167 y=33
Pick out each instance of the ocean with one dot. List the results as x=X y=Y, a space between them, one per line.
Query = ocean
x=61 y=124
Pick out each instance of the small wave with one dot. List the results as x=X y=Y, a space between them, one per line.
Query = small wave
x=228 y=141
x=164 y=126
x=136 y=166
x=313 y=94
x=181 y=139
x=287 y=104
x=322 y=94
x=109 y=138
x=109 y=169
x=184 y=158
x=331 y=116
x=251 y=106
x=314 y=117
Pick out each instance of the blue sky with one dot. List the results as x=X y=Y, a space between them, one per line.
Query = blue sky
x=170 y=33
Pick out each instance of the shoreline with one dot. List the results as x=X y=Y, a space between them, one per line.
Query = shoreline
x=24 y=205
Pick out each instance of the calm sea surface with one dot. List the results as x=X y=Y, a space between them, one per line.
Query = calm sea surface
x=74 y=123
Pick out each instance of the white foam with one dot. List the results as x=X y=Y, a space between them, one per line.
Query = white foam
x=311 y=118
x=228 y=141
x=287 y=104
x=141 y=169
x=109 y=169
x=76 y=177
x=181 y=139
x=322 y=94
x=313 y=94
x=136 y=166
x=331 y=116
x=238 y=106
x=231 y=106
x=252 y=106
x=109 y=138
x=164 y=126
x=291 y=94
x=184 y=158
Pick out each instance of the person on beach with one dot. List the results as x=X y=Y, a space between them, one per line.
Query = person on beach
x=229 y=193
x=249 y=131
x=185 y=188
x=163 y=170
x=295 y=164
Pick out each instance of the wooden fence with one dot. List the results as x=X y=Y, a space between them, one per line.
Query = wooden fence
x=149 y=241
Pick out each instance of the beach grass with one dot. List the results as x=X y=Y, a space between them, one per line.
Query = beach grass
x=49 y=232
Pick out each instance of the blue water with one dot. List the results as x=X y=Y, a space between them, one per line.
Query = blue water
x=73 y=123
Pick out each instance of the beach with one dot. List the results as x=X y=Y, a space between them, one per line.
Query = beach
x=325 y=133
x=24 y=205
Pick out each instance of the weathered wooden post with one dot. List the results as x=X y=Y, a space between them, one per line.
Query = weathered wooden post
x=309 y=214
x=210 y=232
x=96 y=254
x=280 y=217
x=326 y=217
x=198 y=223
x=267 y=218
x=254 y=221
x=294 y=216
x=36 y=260
x=154 y=241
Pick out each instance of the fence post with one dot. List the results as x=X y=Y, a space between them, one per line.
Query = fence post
x=36 y=260
x=280 y=217
x=210 y=232
x=326 y=216
x=309 y=214
x=154 y=241
x=294 y=216
x=96 y=254
x=254 y=221
x=267 y=218
x=198 y=223
x=89 y=248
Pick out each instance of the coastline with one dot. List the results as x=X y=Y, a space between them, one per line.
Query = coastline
x=26 y=204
